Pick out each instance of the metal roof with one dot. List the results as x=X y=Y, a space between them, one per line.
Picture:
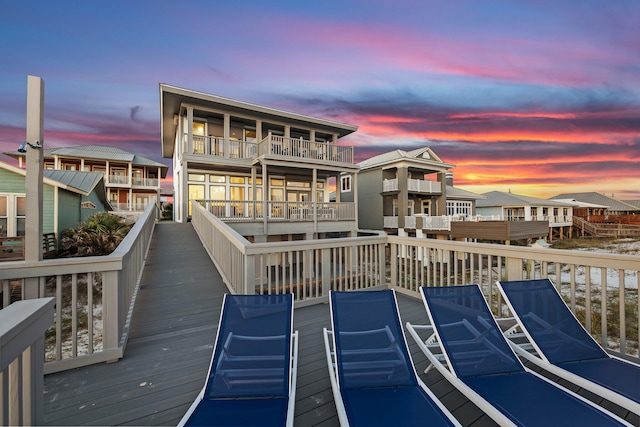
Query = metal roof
x=500 y=198
x=420 y=157
x=458 y=193
x=600 y=199
x=83 y=182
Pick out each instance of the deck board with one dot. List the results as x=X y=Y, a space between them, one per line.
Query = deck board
x=170 y=343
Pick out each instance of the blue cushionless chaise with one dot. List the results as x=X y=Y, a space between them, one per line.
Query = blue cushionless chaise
x=564 y=347
x=372 y=375
x=481 y=364
x=251 y=380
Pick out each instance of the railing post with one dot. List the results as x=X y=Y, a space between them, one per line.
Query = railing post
x=326 y=271
x=111 y=310
x=393 y=262
x=249 y=274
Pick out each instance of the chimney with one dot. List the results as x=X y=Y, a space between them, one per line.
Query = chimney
x=448 y=178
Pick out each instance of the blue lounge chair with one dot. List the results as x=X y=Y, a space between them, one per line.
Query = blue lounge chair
x=251 y=380
x=481 y=365
x=563 y=346
x=372 y=375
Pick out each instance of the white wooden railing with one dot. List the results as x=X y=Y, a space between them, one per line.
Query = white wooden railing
x=94 y=297
x=601 y=288
x=414 y=186
x=22 y=327
x=249 y=211
x=305 y=149
x=308 y=269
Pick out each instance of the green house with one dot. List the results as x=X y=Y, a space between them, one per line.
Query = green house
x=69 y=197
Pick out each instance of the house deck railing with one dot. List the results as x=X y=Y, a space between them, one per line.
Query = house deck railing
x=22 y=328
x=271 y=145
x=276 y=211
x=413 y=186
x=94 y=297
x=602 y=289
x=434 y=223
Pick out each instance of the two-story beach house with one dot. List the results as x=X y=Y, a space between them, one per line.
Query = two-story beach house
x=529 y=217
x=132 y=181
x=408 y=192
x=265 y=172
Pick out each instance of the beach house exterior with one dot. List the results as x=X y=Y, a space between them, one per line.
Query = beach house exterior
x=536 y=217
x=264 y=171
x=132 y=181
x=408 y=192
x=69 y=197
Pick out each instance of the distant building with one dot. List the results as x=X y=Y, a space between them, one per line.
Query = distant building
x=553 y=216
x=132 y=181
x=614 y=206
x=69 y=197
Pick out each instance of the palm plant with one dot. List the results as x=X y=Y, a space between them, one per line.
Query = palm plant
x=100 y=234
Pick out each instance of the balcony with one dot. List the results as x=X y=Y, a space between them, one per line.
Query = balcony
x=413 y=186
x=276 y=211
x=145 y=182
x=272 y=146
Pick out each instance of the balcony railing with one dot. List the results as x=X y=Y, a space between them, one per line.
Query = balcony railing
x=272 y=145
x=300 y=148
x=601 y=288
x=93 y=297
x=117 y=180
x=250 y=211
x=145 y=182
x=413 y=186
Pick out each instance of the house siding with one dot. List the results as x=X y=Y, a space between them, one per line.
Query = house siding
x=370 y=214
x=68 y=210
x=11 y=182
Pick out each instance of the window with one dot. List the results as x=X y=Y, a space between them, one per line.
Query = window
x=345 y=183
x=458 y=208
x=3 y=216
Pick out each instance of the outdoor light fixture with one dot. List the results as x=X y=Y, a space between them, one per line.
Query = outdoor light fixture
x=23 y=146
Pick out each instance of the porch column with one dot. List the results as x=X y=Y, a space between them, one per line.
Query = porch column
x=189 y=147
x=266 y=211
x=338 y=187
x=258 y=130
x=527 y=213
x=287 y=131
x=354 y=189
x=226 y=133
x=442 y=198
x=253 y=192
x=314 y=199
x=403 y=195
x=34 y=169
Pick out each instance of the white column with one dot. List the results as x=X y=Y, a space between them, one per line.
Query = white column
x=226 y=133
x=266 y=211
x=189 y=147
x=34 y=169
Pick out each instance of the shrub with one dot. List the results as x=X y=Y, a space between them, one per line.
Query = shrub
x=100 y=234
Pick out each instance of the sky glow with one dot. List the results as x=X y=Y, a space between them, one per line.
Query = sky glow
x=535 y=97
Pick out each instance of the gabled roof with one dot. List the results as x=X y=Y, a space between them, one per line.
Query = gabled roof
x=420 y=157
x=500 y=198
x=600 y=199
x=97 y=152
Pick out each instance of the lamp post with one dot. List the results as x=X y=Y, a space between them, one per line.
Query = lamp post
x=34 y=169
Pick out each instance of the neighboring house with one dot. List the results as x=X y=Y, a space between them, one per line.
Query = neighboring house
x=539 y=217
x=132 y=182
x=614 y=206
x=69 y=197
x=266 y=172
x=407 y=191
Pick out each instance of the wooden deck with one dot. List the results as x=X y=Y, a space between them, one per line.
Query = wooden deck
x=170 y=344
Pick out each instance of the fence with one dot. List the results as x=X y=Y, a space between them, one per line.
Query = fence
x=94 y=297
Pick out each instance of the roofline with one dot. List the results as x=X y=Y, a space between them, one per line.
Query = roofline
x=45 y=180
x=215 y=99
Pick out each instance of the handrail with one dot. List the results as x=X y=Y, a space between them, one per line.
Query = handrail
x=94 y=294
x=22 y=327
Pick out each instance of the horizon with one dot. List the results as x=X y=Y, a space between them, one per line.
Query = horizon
x=525 y=97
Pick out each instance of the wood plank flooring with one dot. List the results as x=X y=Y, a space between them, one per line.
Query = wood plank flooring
x=172 y=332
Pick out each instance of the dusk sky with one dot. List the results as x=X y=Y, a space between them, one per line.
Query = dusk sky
x=532 y=96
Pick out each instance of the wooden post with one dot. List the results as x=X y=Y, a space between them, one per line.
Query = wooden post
x=33 y=179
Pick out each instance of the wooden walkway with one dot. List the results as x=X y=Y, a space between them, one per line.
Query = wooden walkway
x=172 y=332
